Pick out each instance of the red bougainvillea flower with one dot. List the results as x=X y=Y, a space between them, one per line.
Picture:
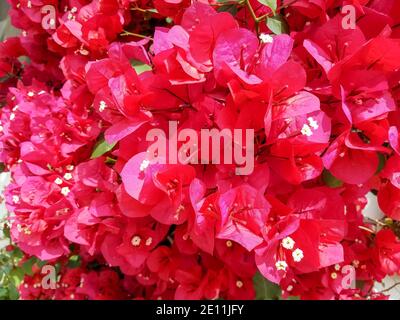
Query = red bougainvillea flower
x=81 y=87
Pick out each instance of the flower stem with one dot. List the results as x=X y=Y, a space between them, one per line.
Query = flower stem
x=127 y=33
x=253 y=14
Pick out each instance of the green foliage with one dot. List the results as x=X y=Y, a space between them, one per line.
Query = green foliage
x=74 y=262
x=330 y=180
x=12 y=268
x=265 y=290
x=6 y=29
x=101 y=148
x=272 y=4
x=382 y=162
x=277 y=24
x=231 y=8
x=140 y=66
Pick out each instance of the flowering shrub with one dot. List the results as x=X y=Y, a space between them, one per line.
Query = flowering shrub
x=85 y=81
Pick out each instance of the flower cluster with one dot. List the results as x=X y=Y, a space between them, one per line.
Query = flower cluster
x=322 y=99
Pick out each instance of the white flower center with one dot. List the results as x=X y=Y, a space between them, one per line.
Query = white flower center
x=297 y=255
x=65 y=191
x=149 y=241
x=136 y=241
x=306 y=130
x=15 y=199
x=313 y=124
x=67 y=176
x=288 y=243
x=281 y=265
x=266 y=38
x=145 y=163
x=102 y=106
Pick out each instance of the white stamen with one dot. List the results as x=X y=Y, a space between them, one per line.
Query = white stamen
x=68 y=176
x=65 y=191
x=313 y=124
x=102 y=106
x=15 y=199
x=297 y=255
x=145 y=163
x=136 y=241
x=281 y=265
x=306 y=130
x=266 y=38
x=288 y=243
x=149 y=241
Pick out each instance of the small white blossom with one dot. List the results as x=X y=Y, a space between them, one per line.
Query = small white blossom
x=145 y=163
x=281 y=265
x=149 y=241
x=297 y=255
x=68 y=176
x=102 y=106
x=288 y=243
x=306 y=130
x=65 y=191
x=313 y=124
x=266 y=38
x=136 y=241
x=15 y=199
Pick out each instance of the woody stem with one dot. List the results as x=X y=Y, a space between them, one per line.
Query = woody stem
x=253 y=15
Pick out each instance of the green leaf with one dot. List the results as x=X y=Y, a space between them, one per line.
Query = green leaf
x=74 y=262
x=265 y=290
x=231 y=8
x=277 y=24
x=3 y=293
x=382 y=162
x=27 y=266
x=41 y=264
x=13 y=291
x=272 y=4
x=140 y=66
x=101 y=148
x=330 y=180
x=4 y=6
x=17 y=275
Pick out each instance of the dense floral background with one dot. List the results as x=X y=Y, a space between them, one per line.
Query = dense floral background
x=80 y=89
